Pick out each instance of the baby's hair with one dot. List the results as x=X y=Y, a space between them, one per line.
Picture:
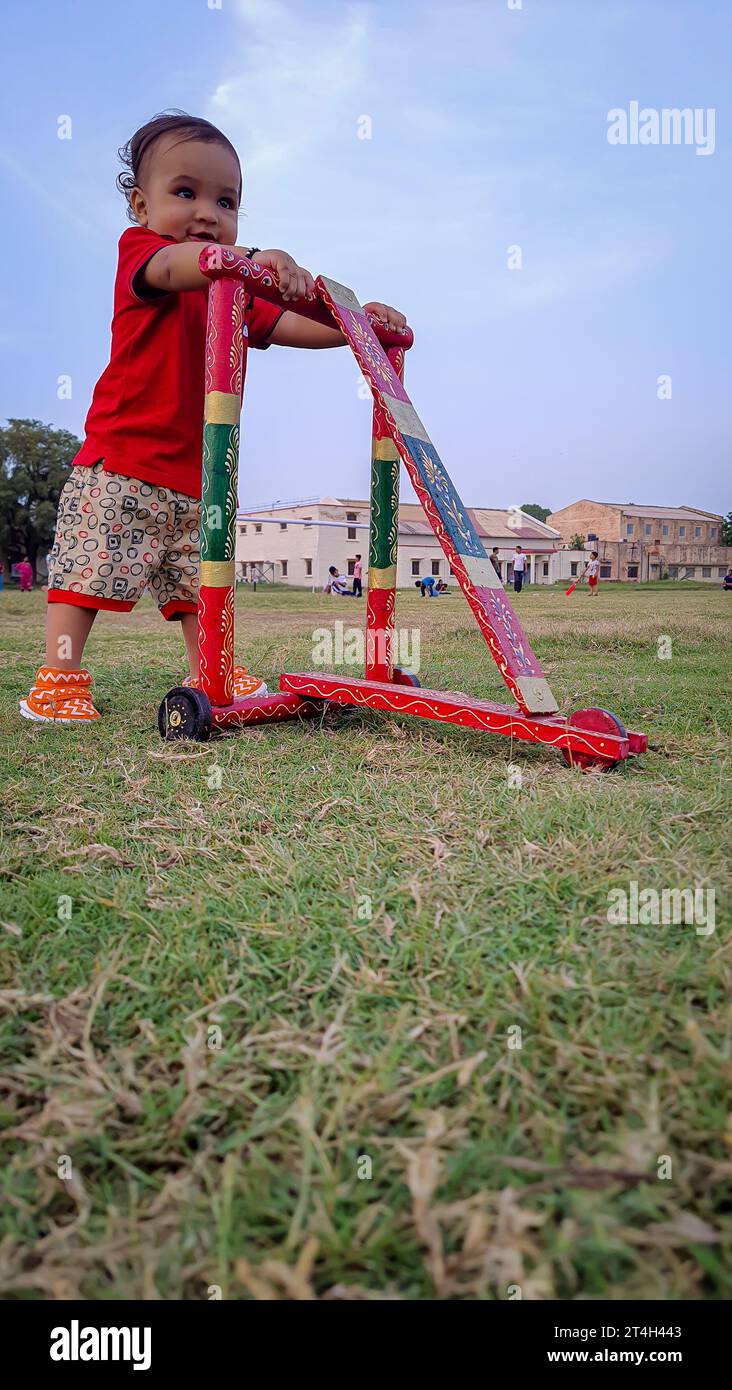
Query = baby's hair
x=187 y=127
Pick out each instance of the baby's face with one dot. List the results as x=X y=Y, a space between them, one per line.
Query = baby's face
x=189 y=189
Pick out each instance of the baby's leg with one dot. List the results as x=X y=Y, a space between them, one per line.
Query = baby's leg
x=189 y=624
x=67 y=628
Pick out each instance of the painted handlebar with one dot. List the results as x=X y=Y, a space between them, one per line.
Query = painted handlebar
x=219 y=262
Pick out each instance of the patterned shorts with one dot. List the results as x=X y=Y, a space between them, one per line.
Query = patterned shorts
x=115 y=536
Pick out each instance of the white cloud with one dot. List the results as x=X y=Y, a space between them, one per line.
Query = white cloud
x=296 y=81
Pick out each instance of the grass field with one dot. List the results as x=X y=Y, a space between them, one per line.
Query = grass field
x=262 y=1037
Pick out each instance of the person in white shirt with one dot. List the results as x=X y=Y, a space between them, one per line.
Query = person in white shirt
x=519 y=569
x=592 y=570
x=337 y=583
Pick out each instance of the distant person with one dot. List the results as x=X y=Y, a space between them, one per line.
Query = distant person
x=519 y=569
x=426 y=586
x=592 y=570
x=336 y=583
x=357 y=572
x=493 y=557
x=727 y=581
x=440 y=587
x=25 y=575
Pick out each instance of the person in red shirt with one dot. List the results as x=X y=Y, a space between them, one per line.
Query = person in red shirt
x=129 y=514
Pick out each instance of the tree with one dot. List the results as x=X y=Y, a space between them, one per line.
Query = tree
x=533 y=509
x=577 y=542
x=727 y=529
x=35 y=461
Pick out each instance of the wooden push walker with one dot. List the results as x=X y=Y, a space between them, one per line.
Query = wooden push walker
x=588 y=738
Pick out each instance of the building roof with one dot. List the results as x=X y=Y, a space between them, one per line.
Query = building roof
x=682 y=513
x=669 y=513
x=490 y=522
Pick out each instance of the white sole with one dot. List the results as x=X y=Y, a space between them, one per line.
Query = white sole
x=28 y=713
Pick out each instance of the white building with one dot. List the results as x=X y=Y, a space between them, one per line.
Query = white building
x=282 y=543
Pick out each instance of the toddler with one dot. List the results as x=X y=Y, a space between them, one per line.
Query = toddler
x=129 y=513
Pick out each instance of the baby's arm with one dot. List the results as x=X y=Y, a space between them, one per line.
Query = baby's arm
x=292 y=330
x=175 y=268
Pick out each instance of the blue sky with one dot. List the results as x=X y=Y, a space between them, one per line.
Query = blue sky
x=489 y=130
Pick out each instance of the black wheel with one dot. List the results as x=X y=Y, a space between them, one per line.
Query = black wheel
x=402 y=677
x=185 y=713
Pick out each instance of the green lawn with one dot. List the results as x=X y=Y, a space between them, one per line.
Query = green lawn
x=367 y=909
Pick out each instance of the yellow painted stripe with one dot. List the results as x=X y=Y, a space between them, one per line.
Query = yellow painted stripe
x=385 y=449
x=383 y=579
x=217 y=574
x=222 y=408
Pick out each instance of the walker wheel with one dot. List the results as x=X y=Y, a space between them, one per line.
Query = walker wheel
x=185 y=713
x=402 y=677
x=595 y=721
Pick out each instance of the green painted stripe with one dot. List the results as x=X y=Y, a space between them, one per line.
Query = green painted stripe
x=218 y=491
x=383 y=537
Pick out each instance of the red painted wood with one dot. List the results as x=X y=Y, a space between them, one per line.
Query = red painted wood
x=216 y=643
x=217 y=262
x=453 y=707
x=263 y=709
x=379 y=634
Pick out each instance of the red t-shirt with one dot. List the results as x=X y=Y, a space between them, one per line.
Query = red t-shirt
x=146 y=415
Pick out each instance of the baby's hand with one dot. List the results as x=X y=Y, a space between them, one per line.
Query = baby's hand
x=390 y=318
x=292 y=281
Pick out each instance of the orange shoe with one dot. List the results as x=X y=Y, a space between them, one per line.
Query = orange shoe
x=60 y=697
x=244 y=684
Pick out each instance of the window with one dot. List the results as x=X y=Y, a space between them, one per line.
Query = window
x=258 y=528
x=629 y=529
x=682 y=532
x=673 y=571
x=604 y=571
x=721 y=571
x=351 y=566
x=712 y=533
x=632 y=571
x=573 y=568
x=648 y=530
x=284 y=568
x=352 y=533
x=546 y=569
x=416 y=568
x=706 y=571
x=351 y=516
x=690 y=572
x=435 y=566
x=452 y=572
x=308 y=567
x=697 y=532
x=242 y=530
x=664 y=530
x=283 y=526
